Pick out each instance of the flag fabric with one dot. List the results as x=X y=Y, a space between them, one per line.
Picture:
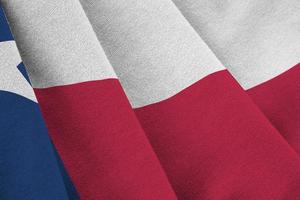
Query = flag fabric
x=29 y=166
x=261 y=50
x=150 y=99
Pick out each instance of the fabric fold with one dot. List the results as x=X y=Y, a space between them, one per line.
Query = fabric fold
x=89 y=118
x=29 y=169
x=258 y=42
x=211 y=139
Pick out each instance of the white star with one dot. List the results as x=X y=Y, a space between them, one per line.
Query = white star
x=11 y=79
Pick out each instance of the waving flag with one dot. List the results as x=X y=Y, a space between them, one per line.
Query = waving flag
x=150 y=99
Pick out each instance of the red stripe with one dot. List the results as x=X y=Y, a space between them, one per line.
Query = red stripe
x=279 y=99
x=101 y=143
x=214 y=143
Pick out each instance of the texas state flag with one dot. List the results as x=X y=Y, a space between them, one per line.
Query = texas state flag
x=150 y=100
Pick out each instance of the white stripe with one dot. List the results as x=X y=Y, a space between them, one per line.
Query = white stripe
x=56 y=42
x=153 y=49
x=256 y=40
x=11 y=79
